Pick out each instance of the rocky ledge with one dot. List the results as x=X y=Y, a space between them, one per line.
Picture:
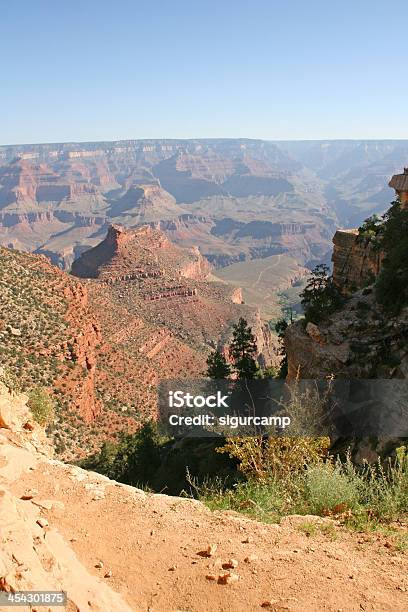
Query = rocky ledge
x=360 y=340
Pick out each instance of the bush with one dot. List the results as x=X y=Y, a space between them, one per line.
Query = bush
x=385 y=489
x=41 y=406
x=260 y=458
x=8 y=378
x=134 y=459
x=148 y=460
x=268 y=454
x=264 y=501
x=328 y=489
x=372 y=229
x=366 y=497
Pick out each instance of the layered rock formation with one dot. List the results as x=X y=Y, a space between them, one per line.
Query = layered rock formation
x=169 y=285
x=82 y=350
x=399 y=182
x=356 y=261
x=135 y=252
x=160 y=182
x=27 y=183
x=142 y=204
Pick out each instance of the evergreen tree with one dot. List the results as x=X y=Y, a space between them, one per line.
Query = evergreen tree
x=280 y=328
x=243 y=350
x=320 y=296
x=392 y=284
x=372 y=229
x=217 y=365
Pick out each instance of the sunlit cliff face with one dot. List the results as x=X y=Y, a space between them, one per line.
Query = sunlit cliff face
x=399 y=182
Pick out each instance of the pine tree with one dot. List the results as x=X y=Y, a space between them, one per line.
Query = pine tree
x=392 y=284
x=243 y=350
x=320 y=296
x=217 y=365
x=280 y=328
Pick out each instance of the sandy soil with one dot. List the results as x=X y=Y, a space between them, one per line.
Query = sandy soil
x=149 y=544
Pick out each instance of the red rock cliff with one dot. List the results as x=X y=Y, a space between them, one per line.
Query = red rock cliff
x=82 y=352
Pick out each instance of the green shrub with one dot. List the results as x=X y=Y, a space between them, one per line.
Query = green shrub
x=265 y=454
x=385 y=490
x=260 y=459
x=372 y=229
x=328 y=488
x=41 y=406
x=8 y=378
x=147 y=459
x=367 y=496
x=264 y=501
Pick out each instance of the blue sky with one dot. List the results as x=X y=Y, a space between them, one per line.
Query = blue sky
x=274 y=69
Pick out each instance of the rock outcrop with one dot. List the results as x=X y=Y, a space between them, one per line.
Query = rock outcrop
x=356 y=261
x=399 y=182
x=145 y=203
x=33 y=555
x=137 y=251
x=236 y=296
x=82 y=350
x=17 y=419
x=197 y=267
x=360 y=339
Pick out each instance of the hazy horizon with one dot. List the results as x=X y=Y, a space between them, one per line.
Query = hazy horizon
x=198 y=138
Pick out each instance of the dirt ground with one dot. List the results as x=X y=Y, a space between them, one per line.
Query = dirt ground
x=145 y=548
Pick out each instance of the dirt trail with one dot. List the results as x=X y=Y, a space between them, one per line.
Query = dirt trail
x=262 y=272
x=148 y=545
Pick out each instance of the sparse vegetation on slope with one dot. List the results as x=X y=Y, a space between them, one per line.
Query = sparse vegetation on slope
x=47 y=338
x=42 y=407
x=33 y=326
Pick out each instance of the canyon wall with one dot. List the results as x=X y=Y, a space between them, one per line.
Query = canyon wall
x=356 y=261
x=48 y=333
x=197 y=267
x=82 y=350
x=360 y=339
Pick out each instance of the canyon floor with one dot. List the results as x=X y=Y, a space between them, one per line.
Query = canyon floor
x=115 y=548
